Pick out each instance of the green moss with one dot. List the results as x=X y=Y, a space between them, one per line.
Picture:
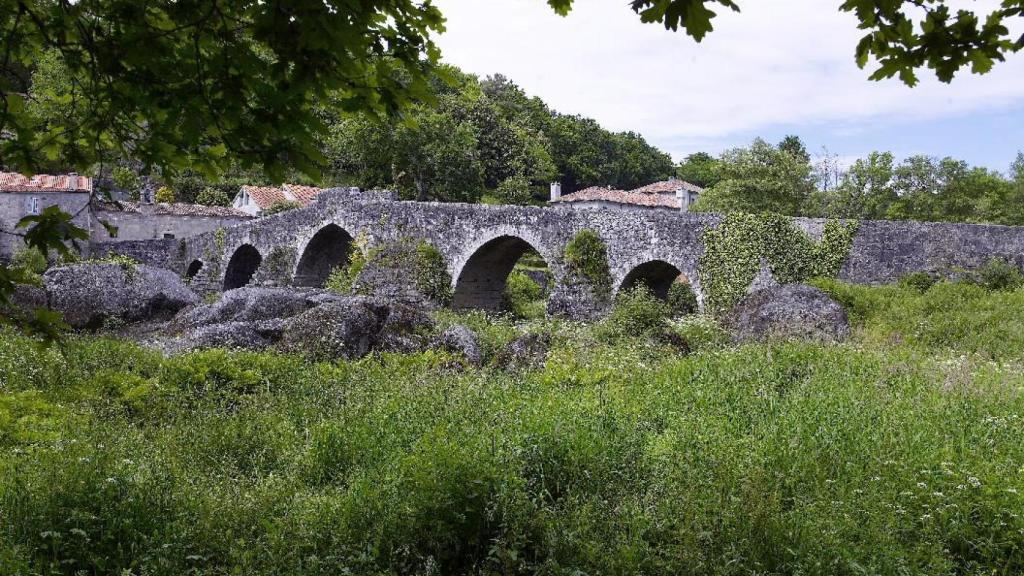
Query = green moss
x=734 y=249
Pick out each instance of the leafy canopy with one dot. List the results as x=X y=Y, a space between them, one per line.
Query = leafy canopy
x=186 y=82
x=901 y=35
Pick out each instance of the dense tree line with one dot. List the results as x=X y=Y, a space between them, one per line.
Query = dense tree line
x=486 y=139
x=783 y=178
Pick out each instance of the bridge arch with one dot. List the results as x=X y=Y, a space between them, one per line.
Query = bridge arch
x=481 y=279
x=193 y=268
x=657 y=275
x=329 y=247
x=242 y=266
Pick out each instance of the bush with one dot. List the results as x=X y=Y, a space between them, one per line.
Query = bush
x=997 y=274
x=30 y=260
x=587 y=257
x=918 y=281
x=637 y=312
x=164 y=195
x=522 y=295
x=431 y=273
x=682 y=299
x=701 y=332
x=211 y=196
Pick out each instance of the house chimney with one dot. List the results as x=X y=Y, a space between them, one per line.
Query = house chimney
x=556 y=191
x=681 y=197
x=73 y=181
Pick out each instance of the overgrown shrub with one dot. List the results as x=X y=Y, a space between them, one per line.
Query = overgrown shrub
x=30 y=261
x=164 y=195
x=431 y=273
x=211 y=196
x=701 y=332
x=733 y=252
x=918 y=281
x=587 y=257
x=637 y=313
x=342 y=278
x=522 y=295
x=997 y=274
x=681 y=299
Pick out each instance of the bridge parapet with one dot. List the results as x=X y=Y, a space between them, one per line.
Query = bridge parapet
x=478 y=242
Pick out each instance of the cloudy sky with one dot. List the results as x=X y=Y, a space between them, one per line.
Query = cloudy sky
x=779 y=67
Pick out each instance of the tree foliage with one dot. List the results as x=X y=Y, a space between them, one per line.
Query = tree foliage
x=486 y=136
x=194 y=82
x=761 y=178
x=901 y=36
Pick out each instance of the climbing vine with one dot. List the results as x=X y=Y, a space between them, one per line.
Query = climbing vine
x=733 y=252
x=586 y=256
x=432 y=278
x=278 y=265
x=416 y=259
x=343 y=278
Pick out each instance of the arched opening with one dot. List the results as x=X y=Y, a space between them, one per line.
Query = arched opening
x=242 y=266
x=484 y=281
x=193 y=268
x=328 y=249
x=657 y=275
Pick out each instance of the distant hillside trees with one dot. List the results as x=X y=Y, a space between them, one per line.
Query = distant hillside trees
x=783 y=178
x=487 y=138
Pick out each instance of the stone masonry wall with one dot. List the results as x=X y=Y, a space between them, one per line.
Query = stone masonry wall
x=469 y=237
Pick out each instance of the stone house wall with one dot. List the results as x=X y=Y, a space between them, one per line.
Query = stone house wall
x=15 y=205
x=143 y=226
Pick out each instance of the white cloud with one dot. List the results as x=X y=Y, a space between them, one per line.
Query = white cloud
x=784 y=62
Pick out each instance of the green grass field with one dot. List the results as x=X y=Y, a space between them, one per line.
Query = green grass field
x=899 y=452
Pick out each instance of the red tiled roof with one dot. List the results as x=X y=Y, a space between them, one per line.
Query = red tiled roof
x=599 y=194
x=668 y=186
x=265 y=196
x=14 y=182
x=302 y=194
x=176 y=209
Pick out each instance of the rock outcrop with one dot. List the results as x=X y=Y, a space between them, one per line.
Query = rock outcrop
x=346 y=328
x=252 y=305
x=90 y=294
x=526 y=352
x=459 y=339
x=790 y=311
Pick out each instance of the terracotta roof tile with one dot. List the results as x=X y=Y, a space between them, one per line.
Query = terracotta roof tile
x=176 y=209
x=599 y=194
x=265 y=196
x=668 y=186
x=302 y=194
x=14 y=182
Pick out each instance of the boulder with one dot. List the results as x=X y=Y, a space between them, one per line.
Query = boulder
x=407 y=329
x=256 y=335
x=528 y=351
x=790 y=311
x=252 y=305
x=578 y=299
x=90 y=293
x=459 y=339
x=27 y=297
x=345 y=328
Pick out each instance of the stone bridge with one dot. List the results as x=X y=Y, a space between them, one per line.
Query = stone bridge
x=481 y=244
